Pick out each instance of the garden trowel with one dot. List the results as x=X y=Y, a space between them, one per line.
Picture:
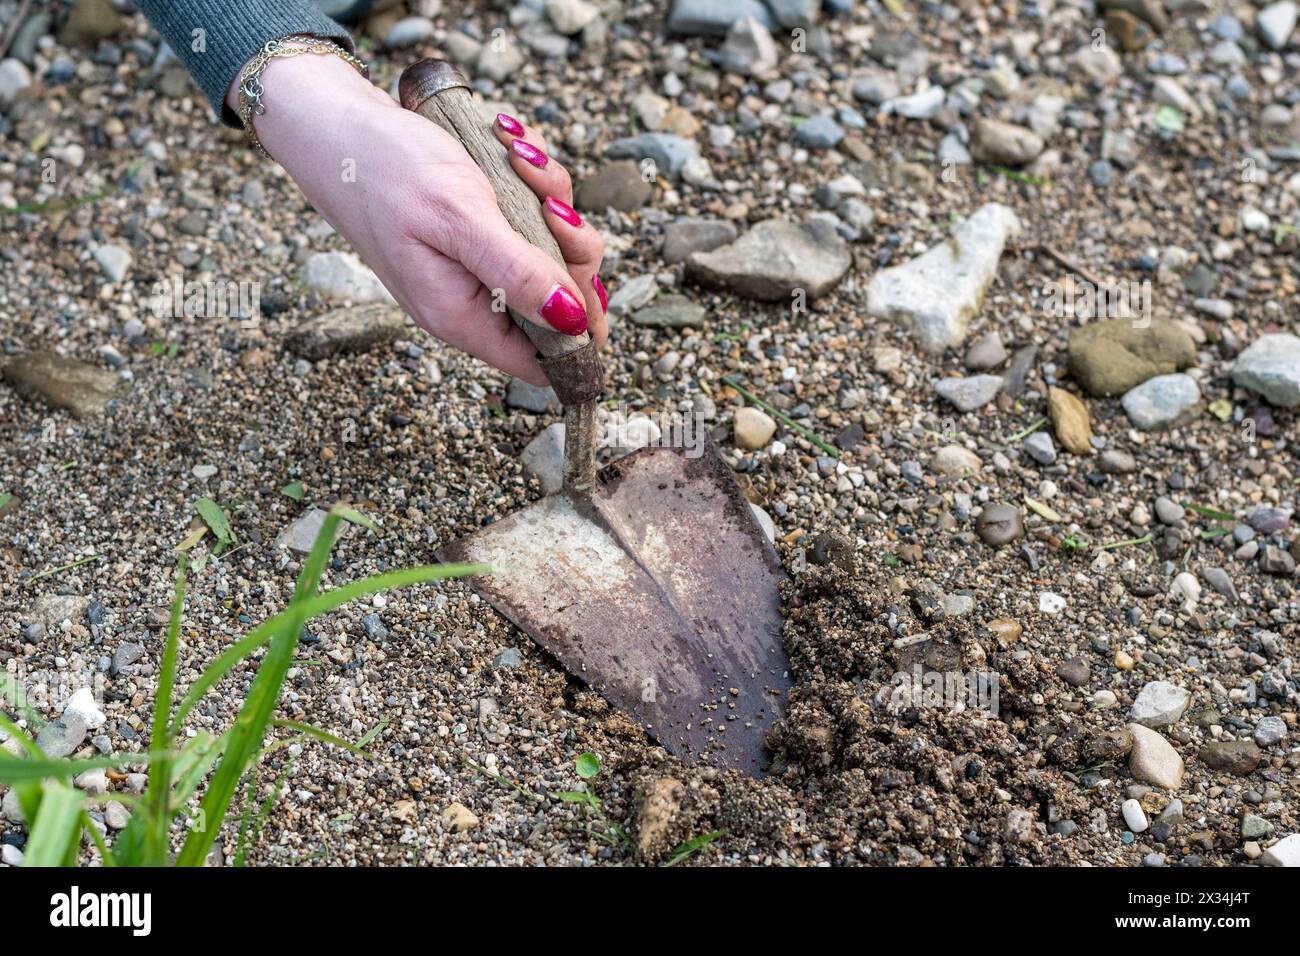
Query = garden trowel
x=650 y=580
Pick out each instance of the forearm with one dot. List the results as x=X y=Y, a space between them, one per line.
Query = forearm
x=215 y=38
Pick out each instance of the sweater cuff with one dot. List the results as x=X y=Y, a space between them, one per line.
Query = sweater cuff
x=232 y=32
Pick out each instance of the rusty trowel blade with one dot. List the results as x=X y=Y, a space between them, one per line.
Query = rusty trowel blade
x=661 y=592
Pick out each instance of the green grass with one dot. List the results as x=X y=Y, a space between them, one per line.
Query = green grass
x=180 y=767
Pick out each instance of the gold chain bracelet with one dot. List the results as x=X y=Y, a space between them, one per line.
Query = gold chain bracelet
x=251 y=90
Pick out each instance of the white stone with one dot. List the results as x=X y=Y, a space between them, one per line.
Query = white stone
x=543 y=458
x=1051 y=603
x=1160 y=704
x=94 y=782
x=1134 y=818
x=1162 y=402
x=764 y=521
x=14 y=78
x=935 y=295
x=341 y=276
x=1285 y=852
x=114 y=260
x=922 y=105
x=753 y=428
x=301 y=535
x=1276 y=22
x=1271 y=367
x=954 y=461
x=11 y=855
x=409 y=31
x=570 y=16
x=82 y=703
x=1186 y=589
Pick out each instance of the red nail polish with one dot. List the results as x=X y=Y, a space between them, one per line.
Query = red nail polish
x=564 y=211
x=563 y=312
x=600 y=292
x=529 y=153
x=510 y=124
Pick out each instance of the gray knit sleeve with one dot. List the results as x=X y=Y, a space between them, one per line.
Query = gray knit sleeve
x=232 y=31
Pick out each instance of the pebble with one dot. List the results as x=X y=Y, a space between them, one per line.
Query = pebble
x=935 y=295
x=985 y=353
x=1051 y=603
x=1218 y=579
x=749 y=48
x=670 y=312
x=1162 y=402
x=458 y=818
x=1237 y=757
x=1116 y=462
x=301 y=535
x=969 y=393
x=1153 y=760
x=775 y=261
x=618 y=184
x=694 y=234
x=714 y=17
x=1271 y=367
x=1276 y=22
x=1286 y=852
x=954 y=461
x=819 y=132
x=528 y=397
x=1134 y=817
x=1070 y=420
x=1270 y=731
x=543 y=458
x=1169 y=511
x=114 y=260
x=62 y=736
x=341 y=276
x=1074 y=672
x=1040 y=447
x=753 y=428
x=1000 y=524
x=82 y=705
x=1004 y=144
x=1111 y=357
x=633 y=294
x=1160 y=704
x=667 y=152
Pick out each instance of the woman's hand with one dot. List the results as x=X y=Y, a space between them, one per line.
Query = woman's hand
x=420 y=213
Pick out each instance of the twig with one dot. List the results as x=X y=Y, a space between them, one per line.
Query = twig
x=13 y=28
x=1027 y=432
x=1066 y=262
x=769 y=407
x=66 y=567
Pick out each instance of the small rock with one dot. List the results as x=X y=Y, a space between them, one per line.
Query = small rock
x=1160 y=704
x=1000 y=524
x=341 y=276
x=1152 y=759
x=1218 y=579
x=61 y=737
x=82 y=705
x=124 y=655
x=543 y=458
x=935 y=295
x=302 y=534
x=1070 y=420
x=82 y=389
x=714 y=17
x=89 y=22
x=1162 y=402
x=530 y=398
x=114 y=260
x=969 y=393
x=954 y=461
x=618 y=184
x=1116 y=462
x=753 y=428
x=667 y=153
x=1019 y=825
x=1271 y=367
x=1074 y=672
x=985 y=353
x=500 y=59
x=633 y=294
x=774 y=261
x=1113 y=356
x=1276 y=22
x=1237 y=757
x=687 y=235
x=1273 y=560
x=1040 y=448
x=1255 y=827
x=570 y=17
x=1134 y=817
x=1285 y=852
x=670 y=312
x=459 y=818
x=116 y=816
x=1270 y=731
x=819 y=132
x=749 y=48
x=1004 y=144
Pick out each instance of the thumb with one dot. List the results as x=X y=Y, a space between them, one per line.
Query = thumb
x=534 y=284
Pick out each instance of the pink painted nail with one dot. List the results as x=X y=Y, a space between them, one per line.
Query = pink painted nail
x=529 y=153
x=510 y=124
x=600 y=292
x=563 y=312
x=564 y=211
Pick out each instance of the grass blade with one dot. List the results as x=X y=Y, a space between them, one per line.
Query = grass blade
x=55 y=832
x=158 y=793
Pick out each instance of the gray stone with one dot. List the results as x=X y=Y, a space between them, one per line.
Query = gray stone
x=1169 y=511
x=1160 y=704
x=749 y=49
x=341 y=276
x=302 y=534
x=774 y=261
x=14 y=78
x=499 y=59
x=935 y=295
x=876 y=87
x=714 y=17
x=670 y=312
x=50 y=379
x=1270 y=731
x=570 y=17
x=689 y=234
x=357 y=328
x=795 y=13
x=543 y=458
x=1162 y=402
x=986 y=352
x=1273 y=560
x=1040 y=447
x=409 y=31
x=969 y=393
x=1271 y=367
x=114 y=260
x=1218 y=579
x=61 y=737
x=633 y=294
x=668 y=152
x=1116 y=462
x=819 y=132
x=615 y=185
x=1276 y=22
x=530 y=398
x=1000 y=524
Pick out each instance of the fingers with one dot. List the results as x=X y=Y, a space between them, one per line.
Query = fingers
x=532 y=282
x=527 y=149
x=582 y=247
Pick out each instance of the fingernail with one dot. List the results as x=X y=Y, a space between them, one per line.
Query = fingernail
x=563 y=312
x=600 y=292
x=529 y=153
x=510 y=124
x=564 y=211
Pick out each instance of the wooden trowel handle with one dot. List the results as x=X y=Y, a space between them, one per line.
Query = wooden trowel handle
x=438 y=91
